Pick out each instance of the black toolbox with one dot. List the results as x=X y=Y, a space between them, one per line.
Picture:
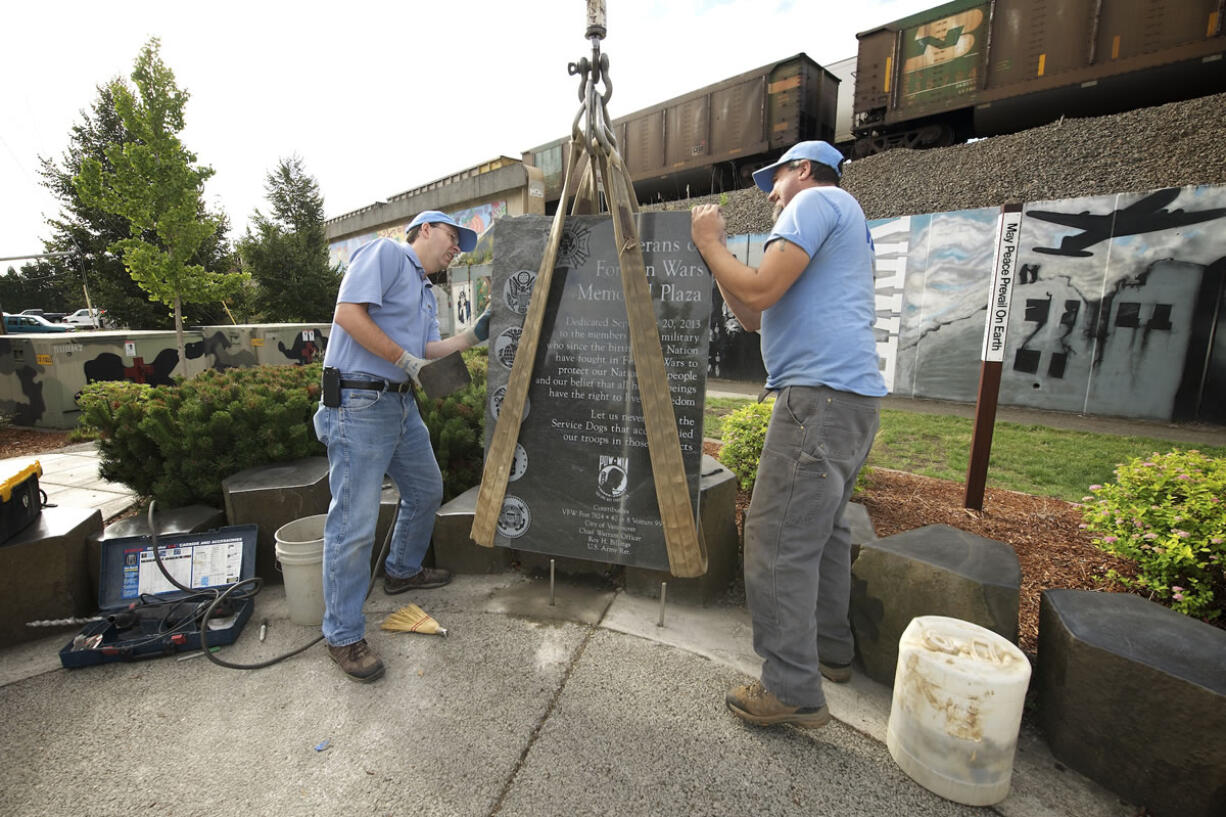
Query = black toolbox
x=145 y=616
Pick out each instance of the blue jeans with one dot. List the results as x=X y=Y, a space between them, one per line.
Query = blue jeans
x=370 y=434
x=797 y=546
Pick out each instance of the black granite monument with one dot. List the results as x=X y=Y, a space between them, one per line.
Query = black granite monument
x=581 y=482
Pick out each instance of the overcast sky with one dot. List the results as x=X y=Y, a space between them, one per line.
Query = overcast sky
x=376 y=97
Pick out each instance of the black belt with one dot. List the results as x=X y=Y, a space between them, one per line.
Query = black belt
x=378 y=385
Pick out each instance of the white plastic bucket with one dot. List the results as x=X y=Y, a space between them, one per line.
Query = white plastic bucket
x=958 y=695
x=300 y=552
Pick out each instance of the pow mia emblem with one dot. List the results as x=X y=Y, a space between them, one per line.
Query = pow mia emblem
x=572 y=247
x=515 y=518
x=517 y=292
x=612 y=479
x=506 y=344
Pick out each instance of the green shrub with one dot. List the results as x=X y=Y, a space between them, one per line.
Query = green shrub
x=1167 y=514
x=744 y=436
x=457 y=428
x=177 y=443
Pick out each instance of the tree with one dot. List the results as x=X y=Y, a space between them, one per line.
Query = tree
x=86 y=232
x=287 y=256
x=154 y=183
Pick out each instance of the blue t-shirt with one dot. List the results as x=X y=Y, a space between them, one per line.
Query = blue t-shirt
x=388 y=276
x=820 y=333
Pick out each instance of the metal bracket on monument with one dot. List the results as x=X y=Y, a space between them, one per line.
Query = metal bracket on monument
x=597 y=149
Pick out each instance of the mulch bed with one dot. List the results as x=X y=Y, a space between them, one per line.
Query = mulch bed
x=17 y=441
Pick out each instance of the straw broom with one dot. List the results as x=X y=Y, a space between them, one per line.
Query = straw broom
x=412 y=619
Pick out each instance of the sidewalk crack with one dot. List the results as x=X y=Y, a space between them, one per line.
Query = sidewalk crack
x=536 y=730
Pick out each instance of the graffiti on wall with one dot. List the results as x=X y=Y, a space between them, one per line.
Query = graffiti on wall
x=940 y=263
x=1104 y=304
x=41 y=376
x=891 y=243
x=478 y=219
x=467 y=294
x=733 y=353
x=1109 y=287
x=1119 y=305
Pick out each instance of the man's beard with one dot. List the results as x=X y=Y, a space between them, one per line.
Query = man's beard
x=778 y=212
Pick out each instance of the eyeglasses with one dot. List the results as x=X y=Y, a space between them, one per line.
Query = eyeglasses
x=451 y=232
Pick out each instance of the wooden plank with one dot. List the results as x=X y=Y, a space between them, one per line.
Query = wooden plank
x=686 y=555
x=497 y=469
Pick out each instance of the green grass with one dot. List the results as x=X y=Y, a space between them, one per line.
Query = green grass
x=1031 y=459
x=717 y=408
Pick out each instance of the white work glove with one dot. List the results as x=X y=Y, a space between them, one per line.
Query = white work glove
x=411 y=366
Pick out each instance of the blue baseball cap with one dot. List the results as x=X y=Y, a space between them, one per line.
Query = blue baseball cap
x=468 y=238
x=818 y=151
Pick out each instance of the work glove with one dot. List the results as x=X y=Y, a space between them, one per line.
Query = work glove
x=480 y=330
x=411 y=366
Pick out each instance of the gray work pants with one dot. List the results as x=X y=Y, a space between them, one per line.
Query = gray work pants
x=797 y=547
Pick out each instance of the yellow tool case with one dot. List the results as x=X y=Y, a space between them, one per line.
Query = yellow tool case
x=21 y=501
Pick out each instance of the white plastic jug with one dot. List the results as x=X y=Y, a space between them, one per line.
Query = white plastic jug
x=958 y=695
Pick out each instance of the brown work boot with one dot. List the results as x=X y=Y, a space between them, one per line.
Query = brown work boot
x=424 y=579
x=755 y=703
x=358 y=661
x=839 y=673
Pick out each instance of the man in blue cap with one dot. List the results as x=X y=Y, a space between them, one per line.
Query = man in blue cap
x=812 y=300
x=384 y=330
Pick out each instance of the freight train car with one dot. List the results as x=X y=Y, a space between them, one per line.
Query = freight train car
x=984 y=67
x=712 y=139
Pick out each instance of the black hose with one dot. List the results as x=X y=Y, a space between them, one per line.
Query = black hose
x=256 y=583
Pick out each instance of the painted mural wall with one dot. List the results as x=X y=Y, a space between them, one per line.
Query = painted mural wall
x=41 y=375
x=479 y=219
x=1117 y=308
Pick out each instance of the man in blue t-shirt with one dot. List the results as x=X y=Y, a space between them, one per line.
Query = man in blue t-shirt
x=384 y=330
x=812 y=300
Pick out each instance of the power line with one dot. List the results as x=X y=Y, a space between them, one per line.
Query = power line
x=36 y=256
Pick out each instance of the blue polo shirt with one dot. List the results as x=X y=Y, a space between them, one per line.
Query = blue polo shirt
x=820 y=333
x=387 y=275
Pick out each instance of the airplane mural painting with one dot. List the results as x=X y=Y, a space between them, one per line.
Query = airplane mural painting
x=1145 y=216
x=1104 y=319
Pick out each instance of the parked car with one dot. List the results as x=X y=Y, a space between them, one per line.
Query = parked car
x=84 y=317
x=24 y=324
x=51 y=316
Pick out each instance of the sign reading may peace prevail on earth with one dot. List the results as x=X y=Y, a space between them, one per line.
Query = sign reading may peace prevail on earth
x=581 y=480
x=1009 y=228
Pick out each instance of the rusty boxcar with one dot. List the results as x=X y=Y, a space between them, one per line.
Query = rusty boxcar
x=984 y=67
x=712 y=139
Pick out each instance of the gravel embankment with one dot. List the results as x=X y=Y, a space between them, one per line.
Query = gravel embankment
x=1174 y=145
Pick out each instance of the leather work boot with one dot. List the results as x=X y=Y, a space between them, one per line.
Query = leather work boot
x=424 y=579
x=358 y=661
x=839 y=673
x=756 y=704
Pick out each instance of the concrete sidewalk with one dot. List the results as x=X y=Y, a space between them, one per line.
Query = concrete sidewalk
x=583 y=707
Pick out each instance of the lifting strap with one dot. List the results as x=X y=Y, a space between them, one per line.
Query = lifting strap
x=593 y=154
